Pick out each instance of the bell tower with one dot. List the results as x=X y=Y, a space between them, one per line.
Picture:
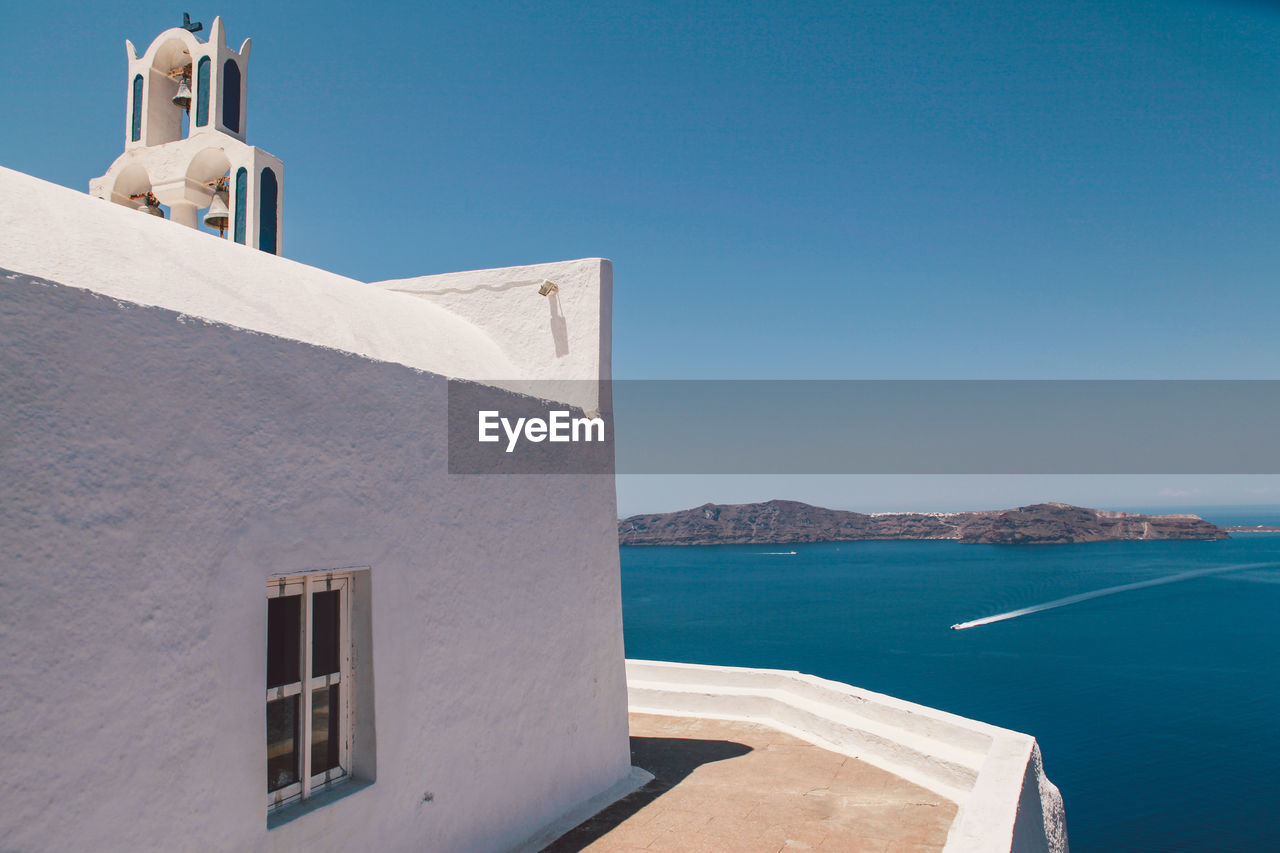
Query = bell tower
x=184 y=143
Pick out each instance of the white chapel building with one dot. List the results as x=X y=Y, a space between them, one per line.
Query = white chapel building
x=246 y=606
x=226 y=502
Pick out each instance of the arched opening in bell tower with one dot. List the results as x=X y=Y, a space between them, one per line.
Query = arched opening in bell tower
x=171 y=70
x=211 y=168
x=132 y=188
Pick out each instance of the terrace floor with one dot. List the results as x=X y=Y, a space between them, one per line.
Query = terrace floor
x=723 y=786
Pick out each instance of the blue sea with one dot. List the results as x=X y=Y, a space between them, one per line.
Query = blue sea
x=1157 y=709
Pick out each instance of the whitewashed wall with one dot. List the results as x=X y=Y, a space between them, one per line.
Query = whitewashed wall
x=156 y=468
x=558 y=339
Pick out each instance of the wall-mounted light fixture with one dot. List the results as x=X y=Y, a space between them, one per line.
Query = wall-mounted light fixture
x=548 y=288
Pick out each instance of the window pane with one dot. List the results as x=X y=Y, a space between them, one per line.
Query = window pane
x=282 y=739
x=324 y=633
x=284 y=618
x=324 y=728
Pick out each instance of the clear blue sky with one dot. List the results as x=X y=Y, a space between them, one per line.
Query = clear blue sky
x=850 y=190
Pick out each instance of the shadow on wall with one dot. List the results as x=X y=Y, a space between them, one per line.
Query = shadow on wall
x=559 y=329
x=670 y=760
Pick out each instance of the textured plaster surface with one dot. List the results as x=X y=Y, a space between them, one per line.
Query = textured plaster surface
x=724 y=785
x=160 y=463
x=557 y=339
x=157 y=470
x=55 y=233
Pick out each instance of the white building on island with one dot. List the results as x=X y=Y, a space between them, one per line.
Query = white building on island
x=233 y=548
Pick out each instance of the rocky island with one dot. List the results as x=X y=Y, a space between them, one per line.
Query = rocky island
x=780 y=522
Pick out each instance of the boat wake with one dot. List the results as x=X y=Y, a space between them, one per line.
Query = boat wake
x=777 y=553
x=1111 y=590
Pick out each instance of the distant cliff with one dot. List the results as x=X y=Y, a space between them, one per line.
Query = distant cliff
x=780 y=522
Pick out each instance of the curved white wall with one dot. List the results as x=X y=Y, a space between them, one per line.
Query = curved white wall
x=995 y=776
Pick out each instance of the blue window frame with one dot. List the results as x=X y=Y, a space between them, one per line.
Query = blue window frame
x=202 y=92
x=136 y=132
x=268 y=201
x=231 y=96
x=242 y=191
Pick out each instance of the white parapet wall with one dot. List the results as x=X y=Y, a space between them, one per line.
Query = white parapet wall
x=994 y=775
x=551 y=321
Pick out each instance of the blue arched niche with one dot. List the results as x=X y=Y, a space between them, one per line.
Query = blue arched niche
x=268 y=205
x=202 y=92
x=231 y=96
x=136 y=132
x=242 y=193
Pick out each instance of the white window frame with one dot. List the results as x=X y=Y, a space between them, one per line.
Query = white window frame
x=305 y=585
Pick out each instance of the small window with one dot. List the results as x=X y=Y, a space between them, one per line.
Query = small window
x=309 y=686
x=136 y=127
x=231 y=96
x=202 y=92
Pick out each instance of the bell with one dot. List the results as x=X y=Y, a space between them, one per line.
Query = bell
x=218 y=215
x=183 y=97
x=150 y=204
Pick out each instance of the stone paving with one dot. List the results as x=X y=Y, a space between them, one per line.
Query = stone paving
x=729 y=787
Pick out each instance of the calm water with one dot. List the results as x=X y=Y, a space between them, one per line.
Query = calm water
x=1156 y=708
